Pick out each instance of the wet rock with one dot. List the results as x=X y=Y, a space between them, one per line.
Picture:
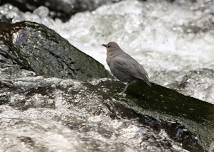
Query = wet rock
x=62 y=9
x=164 y=100
x=4 y=18
x=37 y=48
x=161 y=117
x=100 y=119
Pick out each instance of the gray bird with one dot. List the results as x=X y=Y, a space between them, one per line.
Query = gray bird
x=124 y=67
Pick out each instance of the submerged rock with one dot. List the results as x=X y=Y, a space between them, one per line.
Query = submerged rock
x=37 y=48
x=62 y=9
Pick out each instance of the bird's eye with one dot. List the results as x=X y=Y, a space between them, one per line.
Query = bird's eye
x=108 y=46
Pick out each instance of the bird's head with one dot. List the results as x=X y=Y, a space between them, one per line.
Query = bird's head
x=111 y=46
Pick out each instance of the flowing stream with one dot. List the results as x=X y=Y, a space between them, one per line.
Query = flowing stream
x=174 y=42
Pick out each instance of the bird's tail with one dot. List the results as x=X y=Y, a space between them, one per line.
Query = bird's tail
x=146 y=81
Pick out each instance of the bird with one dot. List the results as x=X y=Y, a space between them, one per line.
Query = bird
x=124 y=67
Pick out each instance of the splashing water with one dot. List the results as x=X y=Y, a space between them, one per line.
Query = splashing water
x=173 y=40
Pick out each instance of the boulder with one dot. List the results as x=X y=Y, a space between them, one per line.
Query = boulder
x=37 y=48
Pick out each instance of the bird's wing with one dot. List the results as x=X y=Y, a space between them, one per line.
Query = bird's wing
x=144 y=75
x=143 y=71
x=127 y=64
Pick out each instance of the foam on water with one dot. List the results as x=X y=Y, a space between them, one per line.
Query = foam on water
x=169 y=39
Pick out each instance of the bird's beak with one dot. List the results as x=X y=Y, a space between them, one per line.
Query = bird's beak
x=105 y=45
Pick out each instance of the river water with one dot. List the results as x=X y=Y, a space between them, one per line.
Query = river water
x=174 y=42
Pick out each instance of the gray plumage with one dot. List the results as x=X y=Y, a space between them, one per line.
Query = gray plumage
x=123 y=66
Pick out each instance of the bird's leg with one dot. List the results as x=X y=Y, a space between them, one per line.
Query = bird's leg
x=124 y=90
x=127 y=85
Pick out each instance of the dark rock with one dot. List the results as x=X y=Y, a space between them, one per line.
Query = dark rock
x=169 y=100
x=182 y=108
x=37 y=48
x=3 y=18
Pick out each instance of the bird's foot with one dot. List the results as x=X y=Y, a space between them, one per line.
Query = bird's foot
x=122 y=94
